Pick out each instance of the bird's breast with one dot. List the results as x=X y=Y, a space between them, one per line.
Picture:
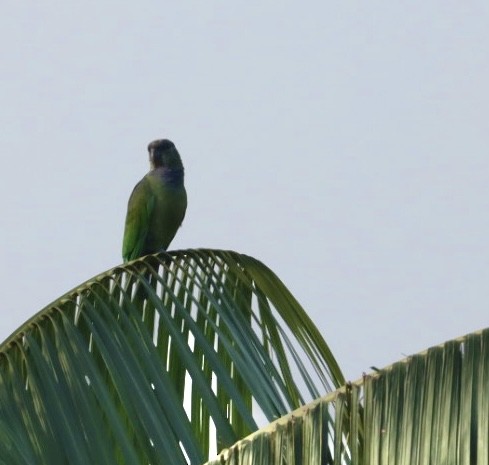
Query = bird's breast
x=170 y=177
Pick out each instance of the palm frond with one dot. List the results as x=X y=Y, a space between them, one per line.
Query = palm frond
x=431 y=408
x=156 y=361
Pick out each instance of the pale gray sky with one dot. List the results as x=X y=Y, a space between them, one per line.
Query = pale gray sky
x=343 y=143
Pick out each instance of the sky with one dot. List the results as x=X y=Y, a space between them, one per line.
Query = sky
x=343 y=143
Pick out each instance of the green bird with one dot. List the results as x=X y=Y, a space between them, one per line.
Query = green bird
x=157 y=205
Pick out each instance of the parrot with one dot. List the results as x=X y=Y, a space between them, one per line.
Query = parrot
x=157 y=204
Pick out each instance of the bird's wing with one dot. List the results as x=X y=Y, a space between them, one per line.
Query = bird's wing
x=139 y=208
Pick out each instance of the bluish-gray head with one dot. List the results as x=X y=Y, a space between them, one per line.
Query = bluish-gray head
x=163 y=153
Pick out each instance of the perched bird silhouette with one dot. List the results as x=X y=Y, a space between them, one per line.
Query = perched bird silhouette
x=157 y=205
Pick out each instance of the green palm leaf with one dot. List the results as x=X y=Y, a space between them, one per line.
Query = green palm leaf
x=431 y=408
x=159 y=361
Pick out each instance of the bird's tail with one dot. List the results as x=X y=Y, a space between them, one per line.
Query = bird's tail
x=144 y=289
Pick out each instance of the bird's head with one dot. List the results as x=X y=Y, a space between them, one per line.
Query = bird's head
x=163 y=153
